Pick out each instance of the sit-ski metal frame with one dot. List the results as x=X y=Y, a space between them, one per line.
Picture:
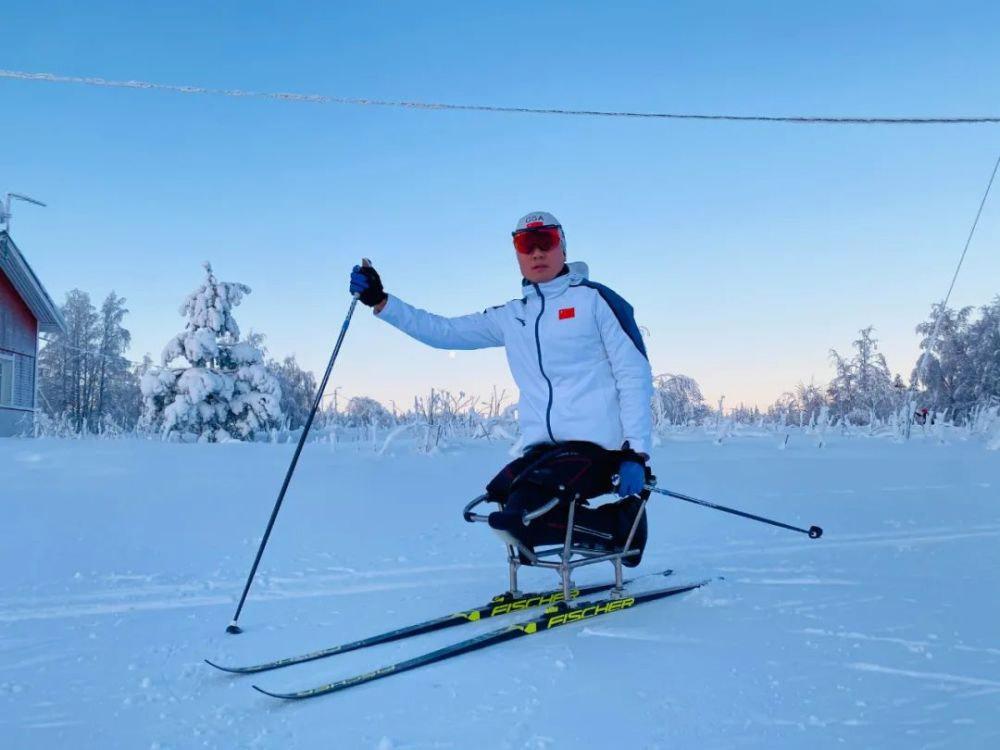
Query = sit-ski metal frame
x=571 y=556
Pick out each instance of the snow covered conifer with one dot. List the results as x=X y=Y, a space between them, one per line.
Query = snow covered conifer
x=225 y=391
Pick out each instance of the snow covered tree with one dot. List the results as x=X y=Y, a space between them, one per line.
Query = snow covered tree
x=861 y=390
x=66 y=364
x=842 y=390
x=298 y=389
x=873 y=377
x=677 y=399
x=364 y=411
x=810 y=402
x=225 y=392
x=116 y=388
x=959 y=370
x=743 y=414
x=84 y=381
x=943 y=368
x=784 y=410
x=984 y=351
x=801 y=407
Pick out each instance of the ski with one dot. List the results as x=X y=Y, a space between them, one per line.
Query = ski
x=502 y=604
x=554 y=617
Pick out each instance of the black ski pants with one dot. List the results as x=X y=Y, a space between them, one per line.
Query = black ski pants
x=574 y=472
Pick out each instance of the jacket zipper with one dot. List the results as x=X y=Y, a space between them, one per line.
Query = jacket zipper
x=538 y=346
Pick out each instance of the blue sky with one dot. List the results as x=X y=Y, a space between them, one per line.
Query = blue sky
x=747 y=250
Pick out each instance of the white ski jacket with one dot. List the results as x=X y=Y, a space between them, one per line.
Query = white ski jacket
x=574 y=350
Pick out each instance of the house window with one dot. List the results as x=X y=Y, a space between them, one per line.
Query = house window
x=6 y=380
x=24 y=381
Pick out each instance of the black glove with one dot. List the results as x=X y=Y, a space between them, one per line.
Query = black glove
x=365 y=282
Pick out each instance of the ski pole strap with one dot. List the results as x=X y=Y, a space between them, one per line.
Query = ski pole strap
x=813 y=532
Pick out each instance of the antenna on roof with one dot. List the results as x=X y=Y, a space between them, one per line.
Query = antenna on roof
x=5 y=208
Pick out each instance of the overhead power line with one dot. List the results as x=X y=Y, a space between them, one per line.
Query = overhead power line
x=406 y=104
x=968 y=241
x=972 y=231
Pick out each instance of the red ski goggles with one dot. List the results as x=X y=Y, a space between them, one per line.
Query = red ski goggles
x=544 y=238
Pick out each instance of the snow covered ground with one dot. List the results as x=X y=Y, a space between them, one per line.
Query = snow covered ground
x=122 y=561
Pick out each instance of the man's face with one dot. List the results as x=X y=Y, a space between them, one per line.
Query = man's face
x=539 y=266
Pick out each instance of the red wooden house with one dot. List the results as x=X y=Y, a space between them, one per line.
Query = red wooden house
x=25 y=311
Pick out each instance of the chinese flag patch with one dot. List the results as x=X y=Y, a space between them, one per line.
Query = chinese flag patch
x=567 y=312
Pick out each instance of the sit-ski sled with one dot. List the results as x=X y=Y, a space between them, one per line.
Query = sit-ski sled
x=560 y=606
x=568 y=556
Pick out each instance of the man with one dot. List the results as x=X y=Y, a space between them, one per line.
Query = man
x=585 y=384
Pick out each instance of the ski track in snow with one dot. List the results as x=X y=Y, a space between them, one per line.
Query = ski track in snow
x=913 y=646
x=940 y=677
x=973 y=649
x=801 y=581
x=48 y=613
x=916 y=647
x=191 y=595
x=632 y=634
x=833 y=540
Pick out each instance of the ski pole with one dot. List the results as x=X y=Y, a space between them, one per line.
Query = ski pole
x=814 y=532
x=233 y=628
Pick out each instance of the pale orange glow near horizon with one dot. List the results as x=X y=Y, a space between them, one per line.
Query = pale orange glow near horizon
x=477 y=375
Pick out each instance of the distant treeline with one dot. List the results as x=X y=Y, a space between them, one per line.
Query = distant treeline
x=87 y=385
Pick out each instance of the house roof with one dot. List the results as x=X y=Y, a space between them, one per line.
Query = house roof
x=23 y=279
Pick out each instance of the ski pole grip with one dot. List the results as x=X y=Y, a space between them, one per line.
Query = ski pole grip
x=365 y=263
